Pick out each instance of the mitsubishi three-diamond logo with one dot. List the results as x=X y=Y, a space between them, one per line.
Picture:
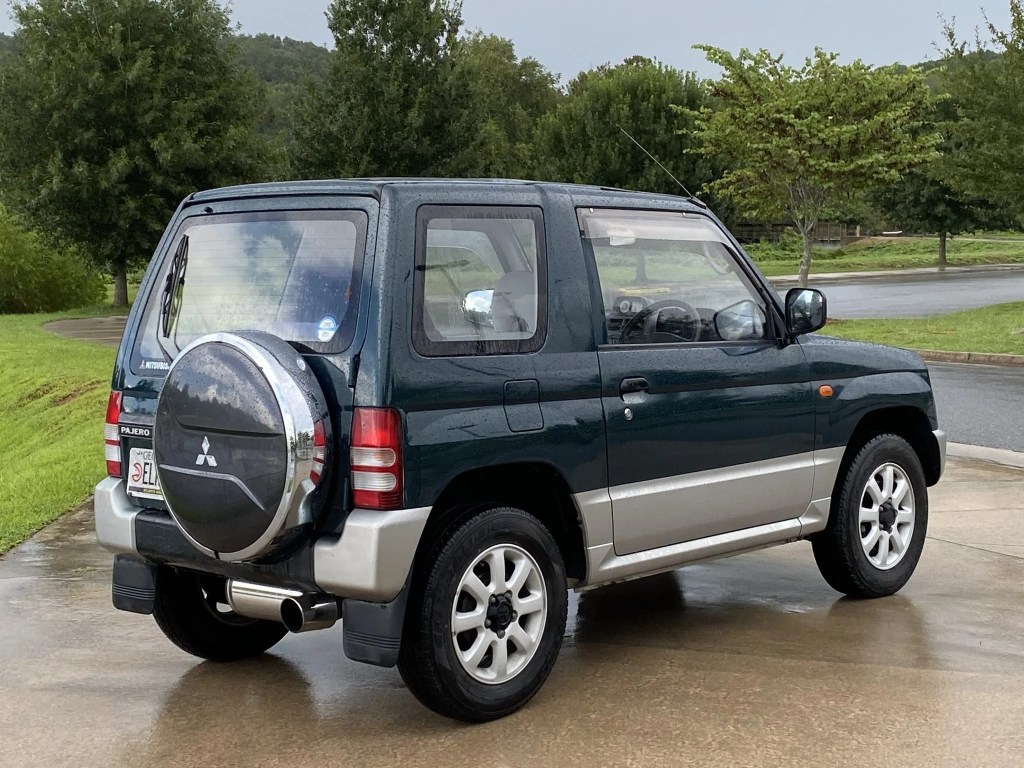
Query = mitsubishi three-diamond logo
x=205 y=457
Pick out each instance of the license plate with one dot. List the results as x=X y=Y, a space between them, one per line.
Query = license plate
x=142 y=479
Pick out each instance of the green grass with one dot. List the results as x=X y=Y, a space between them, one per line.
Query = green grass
x=998 y=329
x=53 y=396
x=886 y=253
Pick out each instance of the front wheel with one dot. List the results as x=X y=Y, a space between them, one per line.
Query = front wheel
x=486 y=617
x=878 y=523
x=193 y=613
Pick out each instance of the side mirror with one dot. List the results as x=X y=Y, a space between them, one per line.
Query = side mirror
x=806 y=311
x=477 y=306
x=742 y=321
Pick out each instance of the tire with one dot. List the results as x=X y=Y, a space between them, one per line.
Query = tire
x=842 y=549
x=186 y=611
x=442 y=669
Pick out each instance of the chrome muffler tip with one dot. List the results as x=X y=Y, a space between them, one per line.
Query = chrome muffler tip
x=309 y=613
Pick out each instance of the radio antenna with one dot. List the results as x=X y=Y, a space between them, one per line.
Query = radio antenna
x=660 y=164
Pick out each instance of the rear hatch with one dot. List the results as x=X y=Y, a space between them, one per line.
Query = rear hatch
x=297 y=274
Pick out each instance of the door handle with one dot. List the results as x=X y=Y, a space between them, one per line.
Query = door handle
x=634 y=386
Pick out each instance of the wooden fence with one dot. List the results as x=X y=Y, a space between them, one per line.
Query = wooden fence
x=826 y=234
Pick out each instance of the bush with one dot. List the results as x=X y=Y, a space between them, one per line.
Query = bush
x=37 y=278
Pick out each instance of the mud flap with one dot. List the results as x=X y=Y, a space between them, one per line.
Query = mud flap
x=134 y=585
x=372 y=632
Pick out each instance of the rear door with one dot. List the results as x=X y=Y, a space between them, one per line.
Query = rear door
x=288 y=266
x=709 y=419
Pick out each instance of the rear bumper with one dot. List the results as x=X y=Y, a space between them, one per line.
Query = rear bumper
x=369 y=561
x=115 y=517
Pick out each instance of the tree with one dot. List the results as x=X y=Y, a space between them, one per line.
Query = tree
x=924 y=201
x=921 y=203
x=988 y=144
x=582 y=141
x=386 y=105
x=799 y=141
x=114 y=110
x=505 y=98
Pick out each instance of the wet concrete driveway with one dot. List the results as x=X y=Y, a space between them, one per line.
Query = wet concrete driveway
x=751 y=661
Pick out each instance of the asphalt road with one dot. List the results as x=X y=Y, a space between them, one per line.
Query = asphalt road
x=981 y=404
x=918 y=296
x=750 y=661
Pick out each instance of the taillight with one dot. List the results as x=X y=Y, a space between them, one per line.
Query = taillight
x=319 y=452
x=376 y=458
x=111 y=437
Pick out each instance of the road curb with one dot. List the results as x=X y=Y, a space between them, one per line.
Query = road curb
x=991 y=455
x=828 y=278
x=970 y=358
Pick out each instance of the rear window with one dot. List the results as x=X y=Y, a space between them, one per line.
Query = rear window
x=293 y=274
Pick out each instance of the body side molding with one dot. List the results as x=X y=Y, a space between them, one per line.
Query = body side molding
x=604 y=565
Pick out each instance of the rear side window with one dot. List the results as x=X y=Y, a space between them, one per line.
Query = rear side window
x=293 y=274
x=481 y=286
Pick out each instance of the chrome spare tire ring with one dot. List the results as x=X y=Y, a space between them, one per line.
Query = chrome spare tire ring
x=886 y=516
x=499 y=614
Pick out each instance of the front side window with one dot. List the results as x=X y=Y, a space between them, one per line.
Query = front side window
x=295 y=275
x=480 y=281
x=670 y=278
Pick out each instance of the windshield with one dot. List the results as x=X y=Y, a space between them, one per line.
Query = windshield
x=293 y=274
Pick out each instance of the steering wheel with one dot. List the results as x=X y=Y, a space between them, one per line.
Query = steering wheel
x=643 y=326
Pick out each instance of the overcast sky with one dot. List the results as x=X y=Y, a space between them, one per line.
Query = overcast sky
x=570 y=35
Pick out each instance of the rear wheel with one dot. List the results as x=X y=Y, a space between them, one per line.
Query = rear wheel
x=486 y=617
x=879 y=521
x=192 y=612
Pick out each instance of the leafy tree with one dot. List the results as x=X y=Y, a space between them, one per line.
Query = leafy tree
x=505 y=98
x=582 y=141
x=921 y=203
x=114 y=110
x=799 y=141
x=988 y=144
x=386 y=105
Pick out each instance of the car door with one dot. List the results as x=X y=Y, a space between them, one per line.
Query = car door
x=709 y=419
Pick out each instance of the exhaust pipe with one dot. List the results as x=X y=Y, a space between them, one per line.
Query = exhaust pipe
x=309 y=612
x=257 y=601
x=298 y=611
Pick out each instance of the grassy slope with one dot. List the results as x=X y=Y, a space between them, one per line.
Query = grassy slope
x=53 y=395
x=887 y=253
x=990 y=329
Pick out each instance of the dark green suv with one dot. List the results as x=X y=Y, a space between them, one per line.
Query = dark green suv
x=432 y=407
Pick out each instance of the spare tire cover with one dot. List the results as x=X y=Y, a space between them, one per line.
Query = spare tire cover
x=234 y=444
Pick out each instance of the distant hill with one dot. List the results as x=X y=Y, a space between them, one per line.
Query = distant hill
x=284 y=65
x=278 y=60
x=281 y=63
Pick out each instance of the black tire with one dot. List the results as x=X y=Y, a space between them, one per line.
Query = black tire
x=838 y=550
x=428 y=662
x=186 y=612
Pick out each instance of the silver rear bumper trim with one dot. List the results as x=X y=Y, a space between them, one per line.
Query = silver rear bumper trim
x=373 y=556
x=370 y=561
x=115 y=517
